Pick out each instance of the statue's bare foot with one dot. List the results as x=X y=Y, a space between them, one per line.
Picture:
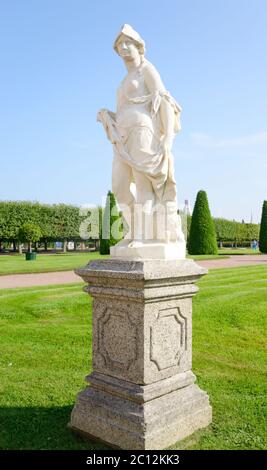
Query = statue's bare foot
x=135 y=244
x=124 y=242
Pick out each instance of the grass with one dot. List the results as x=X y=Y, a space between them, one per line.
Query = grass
x=239 y=251
x=56 y=262
x=203 y=257
x=229 y=357
x=45 y=262
x=16 y=264
x=46 y=352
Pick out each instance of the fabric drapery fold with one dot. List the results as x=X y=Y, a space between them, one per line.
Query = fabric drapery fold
x=156 y=99
x=147 y=158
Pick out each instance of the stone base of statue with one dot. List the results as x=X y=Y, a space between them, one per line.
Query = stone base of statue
x=150 y=250
x=142 y=393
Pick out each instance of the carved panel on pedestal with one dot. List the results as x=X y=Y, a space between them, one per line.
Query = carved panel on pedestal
x=117 y=339
x=168 y=338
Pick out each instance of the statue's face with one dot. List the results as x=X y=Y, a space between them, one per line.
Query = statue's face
x=127 y=48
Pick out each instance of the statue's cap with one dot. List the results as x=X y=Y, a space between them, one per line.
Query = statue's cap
x=129 y=32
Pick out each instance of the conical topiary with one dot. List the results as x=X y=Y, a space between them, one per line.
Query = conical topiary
x=202 y=235
x=111 y=230
x=263 y=229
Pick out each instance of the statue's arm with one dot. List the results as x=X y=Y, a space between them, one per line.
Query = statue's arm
x=108 y=119
x=154 y=85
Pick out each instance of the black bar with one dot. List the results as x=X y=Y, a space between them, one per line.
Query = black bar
x=120 y=459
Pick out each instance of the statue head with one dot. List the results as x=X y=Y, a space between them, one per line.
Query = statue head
x=128 y=43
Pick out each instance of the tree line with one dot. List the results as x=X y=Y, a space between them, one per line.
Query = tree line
x=57 y=222
x=62 y=222
x=231 y=232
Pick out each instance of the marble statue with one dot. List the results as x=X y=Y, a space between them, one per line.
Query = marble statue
x=142 y=132
x=141 y=394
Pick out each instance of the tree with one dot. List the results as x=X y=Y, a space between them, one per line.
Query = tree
x=225 y=229
x=111 y=227
x=252 y=231
x=57 y=222
x=263 y=229
x=235 y=232
x=30 y=233
x=202 y=236
x=66 y=223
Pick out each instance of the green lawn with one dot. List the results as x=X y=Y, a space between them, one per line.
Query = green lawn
x=203 y=257
x=16 y=264
x=46 y=352
x=10 y=264
x=239 y=251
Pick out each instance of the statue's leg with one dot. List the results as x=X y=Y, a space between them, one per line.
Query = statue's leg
x=143 y=214
x=122 y=178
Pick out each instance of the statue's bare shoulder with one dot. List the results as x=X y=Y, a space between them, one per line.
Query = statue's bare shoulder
x=152 y=77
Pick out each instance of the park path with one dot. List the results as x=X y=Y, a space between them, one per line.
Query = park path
x=66 y=277
x=38 y=279
x=234 y=261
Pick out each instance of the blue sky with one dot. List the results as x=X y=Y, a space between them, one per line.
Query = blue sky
x=58 y=68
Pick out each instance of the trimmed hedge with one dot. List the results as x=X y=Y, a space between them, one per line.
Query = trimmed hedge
x=61 y=222
x=263 y=229
x=202 y=236
x=58 y=222
x=111 y=229
x=231 y=232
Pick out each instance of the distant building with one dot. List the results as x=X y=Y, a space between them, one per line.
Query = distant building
x=187 y=209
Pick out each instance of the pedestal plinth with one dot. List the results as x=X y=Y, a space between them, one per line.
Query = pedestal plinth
x=142 y=392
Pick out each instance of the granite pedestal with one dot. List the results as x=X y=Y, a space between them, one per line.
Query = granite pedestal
x=142 y=392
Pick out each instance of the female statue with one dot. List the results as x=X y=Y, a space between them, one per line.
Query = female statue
x=142 y=132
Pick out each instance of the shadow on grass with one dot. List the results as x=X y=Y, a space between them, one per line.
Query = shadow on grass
x=46 y=429
x=40 y=429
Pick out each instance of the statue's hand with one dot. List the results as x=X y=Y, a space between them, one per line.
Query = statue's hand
x=100 y=113
x=103 y=112
x=109 y=123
